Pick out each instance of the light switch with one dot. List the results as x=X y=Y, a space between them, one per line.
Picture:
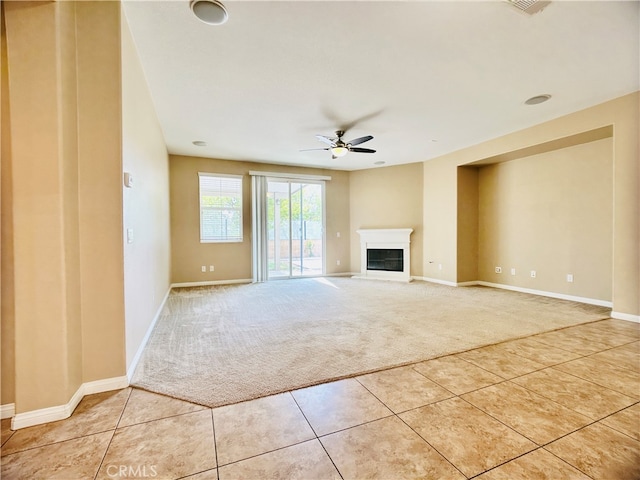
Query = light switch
x=128 y=180
x=129 y=235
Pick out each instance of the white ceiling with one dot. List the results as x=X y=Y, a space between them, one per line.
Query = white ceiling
x=424 y=78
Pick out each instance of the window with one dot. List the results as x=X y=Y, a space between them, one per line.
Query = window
x=220 y=208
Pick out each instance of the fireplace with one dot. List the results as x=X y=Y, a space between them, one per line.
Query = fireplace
x=387 y=259
x=385 y=254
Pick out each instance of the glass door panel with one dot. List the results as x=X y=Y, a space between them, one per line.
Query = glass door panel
x=295 y=228
x=279 y=234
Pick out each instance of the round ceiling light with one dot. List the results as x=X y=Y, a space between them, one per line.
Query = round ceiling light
x=199 y=143
x=538 y=99
x=211 y=12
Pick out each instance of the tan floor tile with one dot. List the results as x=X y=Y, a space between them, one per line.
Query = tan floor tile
x=584 y=397
x=466 y=436
x=623 y=327
x=456 y=374
x=145 y=406
x=6 y=430
x=403 y=388
x=333 y=406
x=539 y=464
x=167 y=448
x=386 y=449
x=72 y=459
x=600 y=452
x=538 y=352
x=251 y=428
x=566 y=341
x=627 y=356
x=626 y=421
x=530 y=414
x=611 y=376
x=502 y=363
x=599 y=335
x=305 y=461
x=95 y=413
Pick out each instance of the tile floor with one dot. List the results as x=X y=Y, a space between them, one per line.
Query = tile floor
x=559 y=405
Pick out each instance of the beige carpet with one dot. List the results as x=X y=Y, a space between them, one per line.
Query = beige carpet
x=225 y=344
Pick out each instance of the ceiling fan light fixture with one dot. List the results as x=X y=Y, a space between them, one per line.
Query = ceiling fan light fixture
x=339 y=151
x=211 y=12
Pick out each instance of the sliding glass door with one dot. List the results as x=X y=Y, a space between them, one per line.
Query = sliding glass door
x=295 y=228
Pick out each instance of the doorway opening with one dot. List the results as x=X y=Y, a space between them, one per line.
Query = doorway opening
x=295 y=228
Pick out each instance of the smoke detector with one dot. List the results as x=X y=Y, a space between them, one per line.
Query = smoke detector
x=530 y=7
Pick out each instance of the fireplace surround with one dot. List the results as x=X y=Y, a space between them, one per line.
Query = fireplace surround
x=385 y=254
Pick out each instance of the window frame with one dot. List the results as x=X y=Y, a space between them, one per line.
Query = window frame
x=239 y=208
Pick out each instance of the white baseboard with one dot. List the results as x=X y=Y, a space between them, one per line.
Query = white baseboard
x=626 y=316
x=7 y=411
x=436 y=280
x=145 y=339
x=60 y=412
x=561 y=296
x=212 y=282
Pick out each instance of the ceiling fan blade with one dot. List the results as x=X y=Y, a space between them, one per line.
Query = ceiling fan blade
x=361 y=150
x=326 y=140
x=312 y=149
x=358 y=141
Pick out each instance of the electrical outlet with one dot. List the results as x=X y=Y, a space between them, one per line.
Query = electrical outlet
x=211 y=268
x=498 y=269
x=338 y=234
x=203 y=268
x=439 y=266
x=533 y=274
x=513 y=271
x=570 y=277
x=338 y=262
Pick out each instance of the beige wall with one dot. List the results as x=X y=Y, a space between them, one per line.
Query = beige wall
x=147 y=260
x=441 y=205
x=389 y=197
x=44 y=203
x=65 y=198
x=440 y=226
x=232 y=261
x=100 y=188
x=552 y=213
x=467 y=227
x=7 y=390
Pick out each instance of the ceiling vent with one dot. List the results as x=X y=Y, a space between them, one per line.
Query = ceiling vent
x=530 y=7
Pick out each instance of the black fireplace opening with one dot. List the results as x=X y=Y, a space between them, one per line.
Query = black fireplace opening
x=387 y=259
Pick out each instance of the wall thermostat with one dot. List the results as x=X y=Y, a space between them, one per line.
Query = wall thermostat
x=128 y=180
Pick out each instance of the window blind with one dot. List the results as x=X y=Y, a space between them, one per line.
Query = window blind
x=220 y=208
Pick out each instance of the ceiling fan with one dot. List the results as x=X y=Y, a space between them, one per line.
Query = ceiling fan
x=339 y=148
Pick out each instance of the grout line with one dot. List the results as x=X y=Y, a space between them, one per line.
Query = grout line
x=104 y=455
x=432 y=446
x=565 y=461
x=302 y=412
x=35 y=447
x=397 y=415
x=215 y=443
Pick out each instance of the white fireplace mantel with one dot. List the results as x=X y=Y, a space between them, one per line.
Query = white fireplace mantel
x=385 y=238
